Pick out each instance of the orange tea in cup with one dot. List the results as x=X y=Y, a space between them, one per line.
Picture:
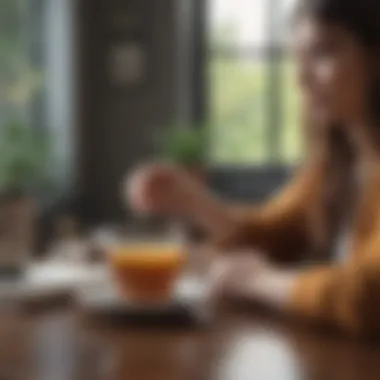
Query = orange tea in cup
x=146 y=272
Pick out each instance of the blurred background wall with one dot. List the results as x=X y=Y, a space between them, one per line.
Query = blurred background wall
x=117 y=124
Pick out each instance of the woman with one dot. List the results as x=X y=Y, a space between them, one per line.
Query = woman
x=331 y=209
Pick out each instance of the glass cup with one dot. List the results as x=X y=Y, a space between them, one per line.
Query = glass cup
x=146 y=270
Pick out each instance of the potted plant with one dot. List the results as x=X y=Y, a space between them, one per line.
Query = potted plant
x=186 y=146
x=24 y=155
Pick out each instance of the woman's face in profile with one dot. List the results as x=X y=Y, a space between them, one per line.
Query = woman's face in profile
x=333 y=72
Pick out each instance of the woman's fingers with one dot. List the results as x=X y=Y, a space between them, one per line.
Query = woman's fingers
x=219 y=273
x=149 y=188
x=163 y=189
x=134 y=189
x=232 y=275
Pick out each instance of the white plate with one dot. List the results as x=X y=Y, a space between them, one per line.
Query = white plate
x=48 y=280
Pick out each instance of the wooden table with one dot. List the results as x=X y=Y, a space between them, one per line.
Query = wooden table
x=61 y=344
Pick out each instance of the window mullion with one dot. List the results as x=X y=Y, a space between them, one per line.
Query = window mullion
x=274 y=85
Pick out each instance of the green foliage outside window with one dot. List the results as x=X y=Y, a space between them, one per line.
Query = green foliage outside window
x=239 y=105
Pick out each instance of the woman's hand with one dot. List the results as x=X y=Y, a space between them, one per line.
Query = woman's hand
x=249 y=276
x=161 y=189
x=169 y=190
x=232 y=273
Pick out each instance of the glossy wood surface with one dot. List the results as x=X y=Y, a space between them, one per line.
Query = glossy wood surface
x=60 y=343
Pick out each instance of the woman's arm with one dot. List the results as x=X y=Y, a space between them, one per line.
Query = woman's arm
x=249 y=276
x=170 y=190
x=280 y=227
x=345 y=296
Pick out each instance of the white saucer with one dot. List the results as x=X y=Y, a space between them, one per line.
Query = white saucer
x=45 y=281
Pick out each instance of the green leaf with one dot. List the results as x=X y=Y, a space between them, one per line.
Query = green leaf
x=24 y=155
x=185 y=145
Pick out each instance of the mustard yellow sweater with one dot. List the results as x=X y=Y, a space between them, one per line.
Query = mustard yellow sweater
x=346 y=295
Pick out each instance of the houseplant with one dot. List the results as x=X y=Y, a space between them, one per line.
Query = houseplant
x=24 y=157
x=185 y=146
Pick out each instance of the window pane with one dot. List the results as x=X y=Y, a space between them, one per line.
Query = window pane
x=248 y=23
x=283 y=20
x=291 y=135
x=35 y=84
x=237 y=23
x=238 y=114
x=18 y=78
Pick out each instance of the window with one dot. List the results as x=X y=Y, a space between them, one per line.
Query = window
x=253 y=105
x=36 y=72
x=19 y=79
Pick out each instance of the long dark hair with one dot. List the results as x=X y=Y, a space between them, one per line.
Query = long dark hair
x=361 y=18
